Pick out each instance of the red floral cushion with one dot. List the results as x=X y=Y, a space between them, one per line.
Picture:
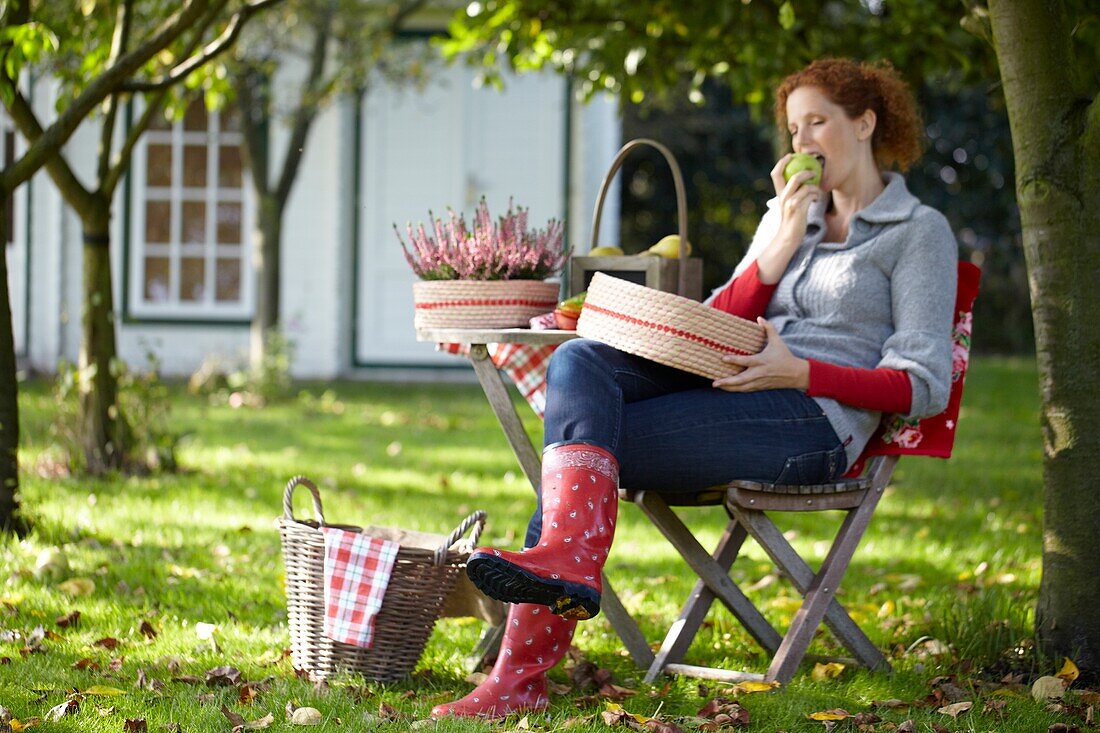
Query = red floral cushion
x=932 y=436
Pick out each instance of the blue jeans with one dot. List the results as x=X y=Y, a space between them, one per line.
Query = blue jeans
x=673 y=433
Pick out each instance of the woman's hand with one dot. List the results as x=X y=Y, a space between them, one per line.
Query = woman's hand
x=795 y=197
x=773 y=368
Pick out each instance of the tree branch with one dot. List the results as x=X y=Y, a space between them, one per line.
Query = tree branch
x=254 y=100
x=154 y=104
x=107 y=132
x=79 y=197
x=307 y=109
x=50 y=141
x=209 y=52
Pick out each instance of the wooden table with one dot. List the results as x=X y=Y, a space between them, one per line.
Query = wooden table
x=530 y=460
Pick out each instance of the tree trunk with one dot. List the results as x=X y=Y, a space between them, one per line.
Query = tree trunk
x=9 y=397
x=267 y=244
x=105 y=434
x=1057 y=189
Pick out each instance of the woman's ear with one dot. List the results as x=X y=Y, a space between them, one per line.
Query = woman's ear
x=865 y=124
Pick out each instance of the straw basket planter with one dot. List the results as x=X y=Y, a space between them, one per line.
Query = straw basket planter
x=424 y=574
x=481 y=303
x=665 y=328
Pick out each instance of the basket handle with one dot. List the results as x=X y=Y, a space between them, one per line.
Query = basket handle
x=475 y=520
x=681 y=199
x=288 y=499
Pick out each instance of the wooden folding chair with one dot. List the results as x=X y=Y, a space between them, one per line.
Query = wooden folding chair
x=747 y=504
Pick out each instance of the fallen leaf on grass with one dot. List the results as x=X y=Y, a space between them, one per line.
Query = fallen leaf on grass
x=891 y=704
x=135 y=725
x=77 y=587
x=750 y=686
x=724 y=711
x=306 y=716
x=660 y=726
x=834 y=714
x=828 y=671
x=615 y=692
x=104 y=691
x=559 y=689
x=58 y=712
x=107 y=642
x=68 y=619
x=147 y=630
x=27 y=724
x=86 y=663
x=223 y=676
x=1048 y=688
x=235 y=719
x=259 y=724
x=994 y=706
x=1063 y=728
x=955 y=709
x=246 y=695
x=907 y=726
x=1069 y=671
x=865 y=719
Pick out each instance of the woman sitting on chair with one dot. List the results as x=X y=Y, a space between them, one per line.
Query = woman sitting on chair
x=856 y=279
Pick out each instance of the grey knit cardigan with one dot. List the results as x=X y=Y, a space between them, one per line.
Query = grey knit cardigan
x=883 y=298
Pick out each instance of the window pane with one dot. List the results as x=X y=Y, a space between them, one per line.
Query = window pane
x=229 y=166
x=159 y=165
x=229 y=280
x=192 y=275
x=158 y=222
x=229 y=223
x=195 y=117
x=156 y=279
x=194 y=165
x=194 y=222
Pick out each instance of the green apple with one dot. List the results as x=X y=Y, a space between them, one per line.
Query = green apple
x=606 y=251
x=803 y=162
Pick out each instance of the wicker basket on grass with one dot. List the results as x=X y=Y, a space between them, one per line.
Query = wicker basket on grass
x=423 y=576
x=665 y=328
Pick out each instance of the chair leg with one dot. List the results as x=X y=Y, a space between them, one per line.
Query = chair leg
x=819 y=590
x=694 y=612
x=710 y=572
x=625 y=626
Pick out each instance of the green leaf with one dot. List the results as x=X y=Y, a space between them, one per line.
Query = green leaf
x=786 y=16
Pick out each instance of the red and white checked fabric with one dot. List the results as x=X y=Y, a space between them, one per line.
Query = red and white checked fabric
x=357 y=571
x=524 y=364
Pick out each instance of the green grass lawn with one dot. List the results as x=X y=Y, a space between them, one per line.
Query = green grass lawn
x=951 y=564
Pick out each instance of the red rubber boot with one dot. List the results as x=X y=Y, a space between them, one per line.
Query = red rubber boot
x=534 y=641
x=580 y=503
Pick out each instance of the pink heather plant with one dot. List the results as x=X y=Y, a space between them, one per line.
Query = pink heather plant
x=506 y=250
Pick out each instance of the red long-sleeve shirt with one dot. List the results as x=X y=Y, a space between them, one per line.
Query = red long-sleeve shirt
x=883 y=390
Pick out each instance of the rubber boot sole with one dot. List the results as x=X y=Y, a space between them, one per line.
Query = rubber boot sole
x=508 y=582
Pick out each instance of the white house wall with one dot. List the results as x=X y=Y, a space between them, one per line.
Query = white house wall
x=317 y=273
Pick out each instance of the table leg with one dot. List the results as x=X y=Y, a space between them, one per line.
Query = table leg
x=495 y=390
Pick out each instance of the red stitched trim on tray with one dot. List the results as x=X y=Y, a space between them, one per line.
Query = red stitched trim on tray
x=485 y=301
x=668 y=329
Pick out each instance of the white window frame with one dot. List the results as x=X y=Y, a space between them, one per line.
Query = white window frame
x=174 y=308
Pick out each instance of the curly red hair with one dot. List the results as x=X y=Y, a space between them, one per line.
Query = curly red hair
x=857 y=87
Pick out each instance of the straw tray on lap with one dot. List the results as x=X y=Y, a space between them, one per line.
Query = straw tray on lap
x=665 y=328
